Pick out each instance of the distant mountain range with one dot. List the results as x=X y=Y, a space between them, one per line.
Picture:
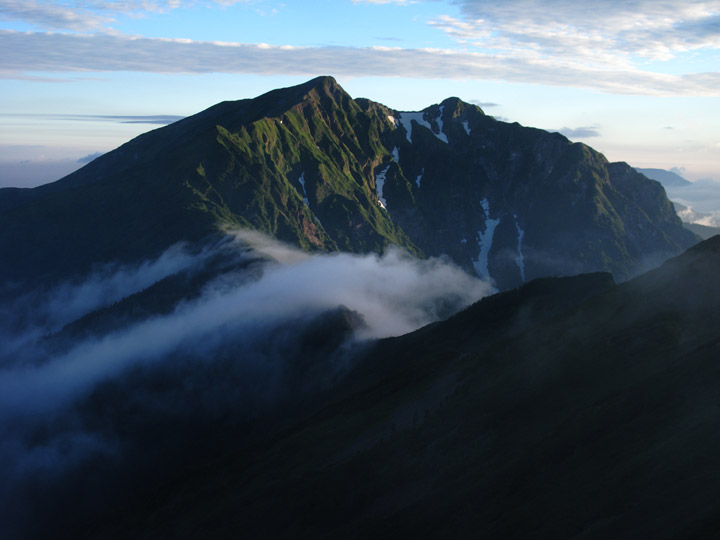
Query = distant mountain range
x=668 y=179
x=316 y=168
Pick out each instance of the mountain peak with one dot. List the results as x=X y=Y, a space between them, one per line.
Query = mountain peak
x=313 y=166
x=277 y=102
x=324 y=86
x=325 y=82
x=454 y=107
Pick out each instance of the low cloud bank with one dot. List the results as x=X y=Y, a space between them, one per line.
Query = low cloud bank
x=689 y=215
x=41 y=312
x=254 y=338
x=702 y=199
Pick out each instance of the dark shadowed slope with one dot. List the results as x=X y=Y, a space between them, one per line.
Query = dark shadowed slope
x=571 y=408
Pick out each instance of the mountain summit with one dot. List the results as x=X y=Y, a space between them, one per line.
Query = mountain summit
x=314 y=167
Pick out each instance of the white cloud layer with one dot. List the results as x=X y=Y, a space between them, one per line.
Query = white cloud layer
x=27 y=52
x=702 y=199
x=395 y=294
x=603 y=44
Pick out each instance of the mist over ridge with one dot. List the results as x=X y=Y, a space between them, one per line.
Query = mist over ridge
x=277 y=324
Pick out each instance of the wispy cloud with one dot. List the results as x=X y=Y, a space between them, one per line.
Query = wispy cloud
x=583 y=132
x=263 y=335
x=553 y=42
x=52 y=15
x=395 y=294
x=484 y=104
x=159 y=119
x=90 y=157
x=27 y=52
x=602 y=33
x=84 y=15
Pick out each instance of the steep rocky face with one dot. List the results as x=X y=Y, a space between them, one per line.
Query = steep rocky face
x=517 y=203
x=316 y=168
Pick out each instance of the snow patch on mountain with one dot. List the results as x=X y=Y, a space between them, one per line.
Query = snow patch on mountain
x=485 y=241
x=393 y=120
x=379 y=184
x=520 y=259
x=419 y=177
x=406 y=121
x=441 y=135
x=466 y=125
x=304 y=193
x=396 y=154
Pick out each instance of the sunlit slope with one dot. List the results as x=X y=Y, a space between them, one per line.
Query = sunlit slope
x=235 y=164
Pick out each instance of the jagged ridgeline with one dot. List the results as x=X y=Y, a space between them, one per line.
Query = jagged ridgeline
x=314 y=167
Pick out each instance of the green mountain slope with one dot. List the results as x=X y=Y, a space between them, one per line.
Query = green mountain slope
x=316 y=168
x=570 y=408
x=236 y=164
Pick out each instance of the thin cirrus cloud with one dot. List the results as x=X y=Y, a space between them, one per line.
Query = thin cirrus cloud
x=28 y=51
x=157 y=119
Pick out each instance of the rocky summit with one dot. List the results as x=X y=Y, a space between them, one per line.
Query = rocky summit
x=314 y=167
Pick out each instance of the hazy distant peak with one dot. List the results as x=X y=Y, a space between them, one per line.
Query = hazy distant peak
x=666 y=178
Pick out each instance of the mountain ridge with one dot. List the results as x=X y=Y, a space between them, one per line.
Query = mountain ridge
x=314 y=167
x=591 y=418
x=668 y=179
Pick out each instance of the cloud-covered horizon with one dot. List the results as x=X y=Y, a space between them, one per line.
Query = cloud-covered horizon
x=702 y=199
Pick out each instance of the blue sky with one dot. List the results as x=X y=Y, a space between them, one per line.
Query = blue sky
x=637 y=80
